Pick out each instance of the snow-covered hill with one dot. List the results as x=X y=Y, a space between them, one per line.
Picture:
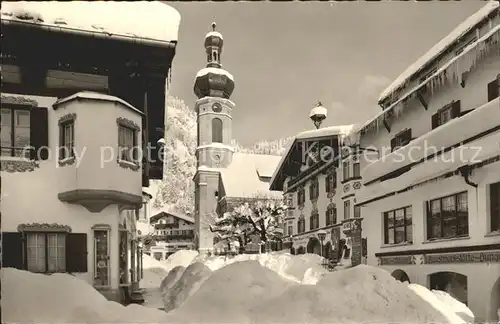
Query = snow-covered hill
x=176 y=191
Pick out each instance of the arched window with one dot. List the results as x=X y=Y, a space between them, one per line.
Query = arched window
x=214 y=53
x=216 y=130
x=331 y=214
x=314 y=189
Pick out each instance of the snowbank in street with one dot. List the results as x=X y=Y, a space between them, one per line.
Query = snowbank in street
x=443 y=304
x=173 y=276
x=229 y=294
x=154 y=272
x=458 y=307
x=180 y=258
x=62 y=298
x=188 y=284
x=358 y=295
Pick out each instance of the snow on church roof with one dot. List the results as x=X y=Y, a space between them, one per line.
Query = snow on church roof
x=151 y=20
x=440 y=47
x=214 y=33
x=207 y=70
x=247 y=175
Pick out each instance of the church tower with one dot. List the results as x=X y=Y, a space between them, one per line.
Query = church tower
x=213 y=87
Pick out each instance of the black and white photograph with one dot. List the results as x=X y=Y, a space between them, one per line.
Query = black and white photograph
x=250 y=162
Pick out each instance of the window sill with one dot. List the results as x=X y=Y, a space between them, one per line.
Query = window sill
x=350 y=179
x=385 y=246
x=67 y=161
x=13 y=164
x=492 y=234
x=458 y=238
x=128 y=165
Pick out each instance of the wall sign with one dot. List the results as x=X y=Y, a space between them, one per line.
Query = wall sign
x=396 y=260
x=473 y=257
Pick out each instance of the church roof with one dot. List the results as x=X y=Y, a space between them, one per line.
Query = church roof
x=248 y=175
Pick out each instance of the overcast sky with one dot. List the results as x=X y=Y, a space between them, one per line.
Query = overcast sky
x=286 y=56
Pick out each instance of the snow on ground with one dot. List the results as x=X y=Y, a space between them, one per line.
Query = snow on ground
x=453 y=310
x=242 y=292
x=190 y=281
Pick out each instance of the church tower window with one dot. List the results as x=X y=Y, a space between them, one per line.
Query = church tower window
x=216 y=130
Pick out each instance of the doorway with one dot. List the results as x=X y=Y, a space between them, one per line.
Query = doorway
x=453 y=283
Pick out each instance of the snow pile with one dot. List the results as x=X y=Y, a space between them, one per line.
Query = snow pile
x=62 y=298
x=154 y=272
x=456 y=306
x=229 y=294
x=143 y=19
x=441 y=304
x=188 y=283
x=173 y=276
x=358 y=295
x=180 y=258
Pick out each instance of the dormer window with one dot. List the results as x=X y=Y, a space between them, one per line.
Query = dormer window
x=445 y=114
x=401 y=139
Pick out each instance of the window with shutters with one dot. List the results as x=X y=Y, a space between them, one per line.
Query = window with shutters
x=347 y=209
x=495 y=207
x=66 y=139
x=345 y=170
x=448 y=217
x=398 y=226
x=216 y=130
x=314 y=221
x=445 y=114
x=331 y=181
x=127 y=142
x=494 y=89
x=314 y=189
x=331 y=214
x=401 y=139
x=15 y=132
x=46 y=252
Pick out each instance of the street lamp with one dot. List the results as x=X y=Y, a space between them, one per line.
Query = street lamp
x=318 y=114
x=321 y=235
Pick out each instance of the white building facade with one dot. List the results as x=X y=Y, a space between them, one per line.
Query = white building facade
x=320 y=187
x=172 y=232
x=431 y=195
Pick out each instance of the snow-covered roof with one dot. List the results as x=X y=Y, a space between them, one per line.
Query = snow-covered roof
x=467 y=126
x=243 y=177
x=320 y=110
x=151 y=20
x=440 y=47
x=158 y=214
x=96 y=96
x=214 y=70
x=453 y=64
x=339 y=130
x=217 y=145
x=214 y=33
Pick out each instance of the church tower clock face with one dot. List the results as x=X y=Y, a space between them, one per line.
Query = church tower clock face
x=217 y=107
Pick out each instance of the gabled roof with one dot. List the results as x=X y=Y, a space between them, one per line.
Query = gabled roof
x=445 y=43
x=150 y=21
x=177 y=215
x=276 y=182
x=247 y=175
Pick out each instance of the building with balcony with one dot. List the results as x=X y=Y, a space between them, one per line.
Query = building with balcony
x=172 y=232
x=74 y=127
x=319 y=182
x=224 y=178
x=430 y=196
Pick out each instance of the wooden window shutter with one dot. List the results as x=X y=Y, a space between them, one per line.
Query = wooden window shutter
x=393 y=143
x=12 y=250
x=435 y=120
x=493 y=89
x=39 y=133
x=455 y=109
x=76 y=252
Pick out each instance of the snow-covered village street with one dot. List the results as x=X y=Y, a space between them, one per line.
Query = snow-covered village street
x=252 y=162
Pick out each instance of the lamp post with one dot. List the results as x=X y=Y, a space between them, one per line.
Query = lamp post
x=321 y=235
